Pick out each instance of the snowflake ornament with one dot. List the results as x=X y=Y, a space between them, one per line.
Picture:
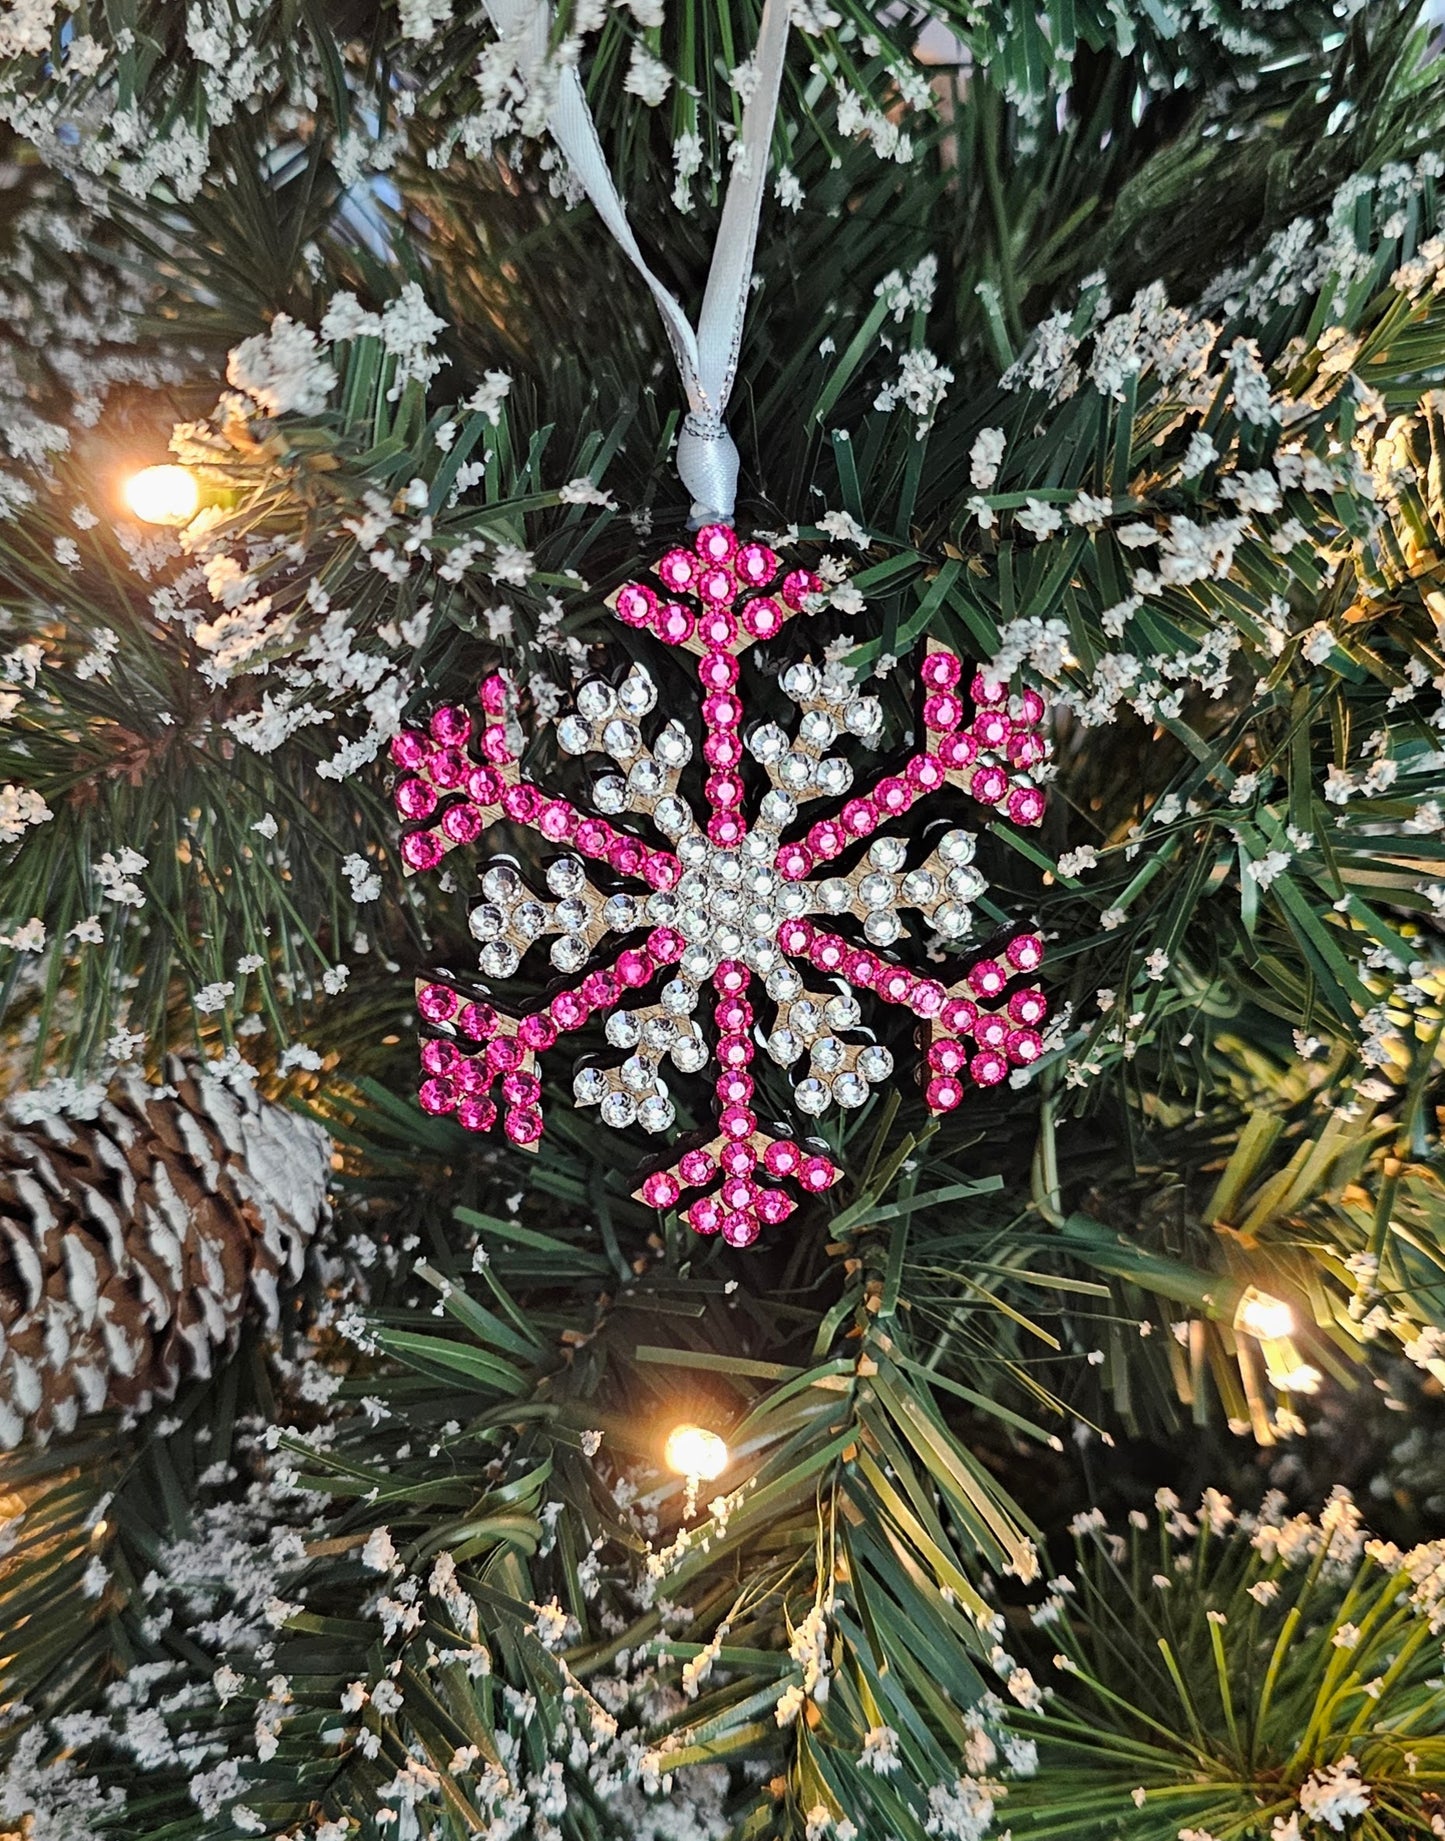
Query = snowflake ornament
x=704 y=938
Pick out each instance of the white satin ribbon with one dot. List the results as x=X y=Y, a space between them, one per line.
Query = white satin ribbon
x=706 y=356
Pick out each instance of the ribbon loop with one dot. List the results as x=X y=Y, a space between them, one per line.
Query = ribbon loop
x=706 y=357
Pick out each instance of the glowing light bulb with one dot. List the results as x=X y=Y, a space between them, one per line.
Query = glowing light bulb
x=1268 y=1318
x=694 y=1452
x=163 y=495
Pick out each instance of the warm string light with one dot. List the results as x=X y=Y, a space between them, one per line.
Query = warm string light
x=163 y=495
x=698 y=1456
x=1268 y=1318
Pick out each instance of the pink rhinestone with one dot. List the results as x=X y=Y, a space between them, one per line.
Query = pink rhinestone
x=763 y=619
x=594 y=837
x=958 y=750
x=568 y=1010
x=731 y=977
x=521 y=1089
x=1024 y=1045
x=716 y=543
x=859 y=817
x=782 y=1158
x=494 y=744
x=733 y=1015
x=716 y=585
x=472 y=1075
x=772 y=1206
x=503 y=1054
x=726 y=830
x=722 y=749
x=740 y=1230
x=522 y=803
x=634 y=968
x=627 y=856
x=463 y=824
x=734 y=1087
x=738 y=1192
x=989 y=785
x=537 y=1033
x=721 y=710
x=942 y=710
x=439 y=1057
x=945 y=1056
x=985 y=692
x=896 y=985
x=1025 y=953
x=476 y=1114
x=666 y=945
x=447 y=768
x=987 y=978
x=1028 y=1007
x=738 y=1159
x=991 y=1032
x=522 y=1127
x=734 y=1051
x=1025 y=749
x=927 y=998
x=557 y=821
x=827 y=840
x=477 y=1021
x=600 y=990
x=943 y=1093
x=436 y=1003
x=705 y=1216
x=798 y=584
x=492 y=694
x=1026 y=805
x=817 y=1174
x=940 y=671
x=437 y=1095
x=718 y=670
x=673 y=623
x=925 y=773
x=661 y=1189
x=991 y=729
x=1030 y=707
x=861 y=969
x=828 y=952
x=894 y=795
x=794 y=863
x=723 y=789
x=413 y=798
x=756 y=564
x=485 y=785
x=420 y=850
x=795 y=936
x=678 y=569
x=409 y=749
x=988 y=1068
x=737 y=1122
x=661 y=871
x=957 y=1015
x=635 y=604
x=696 y=1168
x=450 y=727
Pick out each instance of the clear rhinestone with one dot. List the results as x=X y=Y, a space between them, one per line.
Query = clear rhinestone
x=487 y=921
x=835 y=896
x=796 y=771
x=887 y=853
x=806 y=1017
x=811 y=1096
x=644 y=783
x=498 y=960
x=609 y=794
x=842 y=1011
x=833 y=777
x=694 y=923
x=657 y=1113
x=621 y=738
x=817 y=731
x=678 y=997
x=800 y=681
x=689 y=1054
x=619 y=913
x=596 y=700
x=792 y=900
x=875 y=1063
x=638 y=693
x=662 y=908
x=672 y=815
x=674 y=746
x=850 y=1089
x=761 y=955
x=919 y=887
x=838 y=683
x=768 y=743
x=566 y=876
x=693 y=852
x=776 y=809
x=953 y=920
x=725 y=903
x=622 y=1029
x=619 y=1110
x=783 y=984
x=877 y=891
x=965 y=884
x=569 y=954
x=882 y=927
x=785 y=1047
x=659 y=1032
x=756 y=849
x=570 y=916
x=529 y=919
x=573 y=735
x=589 y=1086
x=727 y=940
x=501 y=883
x=637 y=1075
x=956 y=847
x=865 y=717
x=699 y=964
x=760 y=920
x=829 y=1054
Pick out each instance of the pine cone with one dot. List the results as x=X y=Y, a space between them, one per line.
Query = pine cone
x=129 y=1243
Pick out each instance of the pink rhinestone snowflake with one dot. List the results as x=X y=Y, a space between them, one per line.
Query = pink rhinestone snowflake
x=742 y=902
